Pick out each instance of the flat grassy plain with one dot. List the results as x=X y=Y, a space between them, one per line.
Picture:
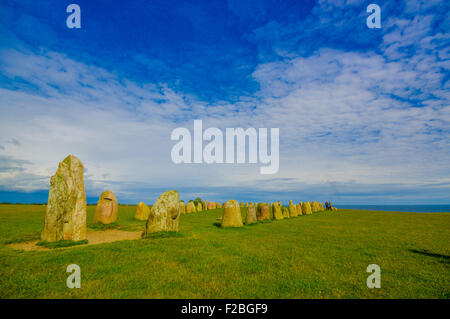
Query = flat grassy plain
x=324 y=255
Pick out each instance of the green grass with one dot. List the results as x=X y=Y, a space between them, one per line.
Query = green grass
x=324 y=255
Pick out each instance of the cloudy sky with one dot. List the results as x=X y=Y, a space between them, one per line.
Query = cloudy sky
x=364 y=114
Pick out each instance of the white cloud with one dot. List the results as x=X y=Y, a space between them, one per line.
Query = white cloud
x=346 y=119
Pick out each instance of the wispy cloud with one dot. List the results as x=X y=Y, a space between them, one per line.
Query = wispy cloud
x=364 y=116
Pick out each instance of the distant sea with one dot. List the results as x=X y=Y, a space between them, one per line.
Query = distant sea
x=401 y=208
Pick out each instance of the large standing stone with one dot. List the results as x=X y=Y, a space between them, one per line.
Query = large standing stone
x=251 y=215
x=164 y=214
x=263 y=212
x=142 y=211
x=107 y=208
x=292 y=210
x=65 y=217
x=306 y=208
x=232 y=215
x=211 y=205
x=205 y=205
x=218 y=205
x=199 y=207
x=277 y=214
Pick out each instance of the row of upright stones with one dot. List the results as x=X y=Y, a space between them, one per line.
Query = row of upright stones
x=65 y=216
x=259 y=212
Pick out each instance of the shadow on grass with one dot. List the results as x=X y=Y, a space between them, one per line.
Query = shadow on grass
x=444 y=258
x=168 y=234
x=61 y=243
x=29 y=237
x=219 y=225
x=100 y=226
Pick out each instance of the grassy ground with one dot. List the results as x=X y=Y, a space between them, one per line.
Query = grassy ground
x=324 y=255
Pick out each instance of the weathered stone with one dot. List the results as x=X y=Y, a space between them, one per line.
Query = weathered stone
x=314 y=206
x=205 y=205
x=107 y=208
x=232 y=215
x=292 y=210
x=251 y=215
x=306 y=208
x=285 y=212
x=65 y=217
x=298 y=208
x=277 y=214
x=182 y=207
x=263 y=212
x=211 y=205
x=199 y=207
x=218 y=205
x=142 y=211
x=164 y=214
x=190 y=207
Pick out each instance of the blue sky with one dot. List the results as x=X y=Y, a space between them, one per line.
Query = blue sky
x=363 y=113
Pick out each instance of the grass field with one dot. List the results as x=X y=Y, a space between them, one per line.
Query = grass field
x=324 y=255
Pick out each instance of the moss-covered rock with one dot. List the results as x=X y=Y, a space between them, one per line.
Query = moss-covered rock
x=292 y=210
x=190 y=208
x=277 y=213
x=65 y=216
x=251 y=215
x=306 y=208
x=164 y=214
x=142 y=211
x=285 y=212
x=232 y=214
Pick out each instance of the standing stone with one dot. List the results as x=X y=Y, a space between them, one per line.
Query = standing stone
x=232 y=215
x=164 y=214
x=306 y=208
x=65 y=217
x=251 y=215
x=190 y=207
x=182 y=207
x=107 y=208
x=285 y=212
x=299 y=209
x=142 y=211
x=263 y=212
x=277 y=214
x=199 y=207
x=211 y=205
x=292 y=210
x=218 y=205
x=205 y=205
x=314 y=206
